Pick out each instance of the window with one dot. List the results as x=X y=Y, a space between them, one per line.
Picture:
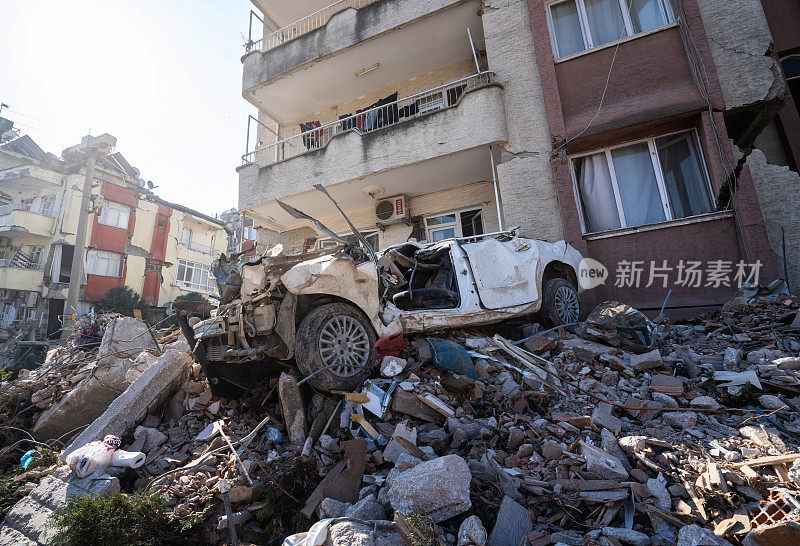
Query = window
x=371 y=237
x=791 y=71
x=36 y=255
x=642 y=183
x=186 y=236
x=100 y=262
x=195 y=277
x=466 y=223
x=578 y=25
x=250 y=233
x=48 y=205
x=114 y=215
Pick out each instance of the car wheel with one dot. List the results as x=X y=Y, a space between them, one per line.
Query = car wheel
x=335 y=343
x=560 y=303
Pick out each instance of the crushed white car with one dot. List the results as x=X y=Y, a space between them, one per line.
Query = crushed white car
x=325 y=309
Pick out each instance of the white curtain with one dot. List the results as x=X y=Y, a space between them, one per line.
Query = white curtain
x=685 y=181
x=605 y=21
x=55 y=267
x=597 y=194
x=637 y=184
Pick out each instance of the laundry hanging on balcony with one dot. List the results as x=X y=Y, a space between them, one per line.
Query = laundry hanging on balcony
x=311 y=140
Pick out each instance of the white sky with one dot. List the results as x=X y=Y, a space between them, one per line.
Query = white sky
x=163 y=76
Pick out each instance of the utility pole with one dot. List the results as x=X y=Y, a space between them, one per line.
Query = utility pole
x=78 y=255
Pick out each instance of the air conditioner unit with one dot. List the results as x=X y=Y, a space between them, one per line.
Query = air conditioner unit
x=391 y=210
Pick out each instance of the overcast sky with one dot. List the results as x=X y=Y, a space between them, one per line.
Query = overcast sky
x=163 y=76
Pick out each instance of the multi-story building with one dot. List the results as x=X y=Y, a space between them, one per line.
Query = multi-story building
x=612 y=124
x=135 y=239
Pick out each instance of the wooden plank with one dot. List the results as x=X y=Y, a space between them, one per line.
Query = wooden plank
x=716 y=479
x=436 y=404
x=358 y=397
x=769 y=461
x=749 y=473
x=698 y=501
x=369 y=429
x=782 y=473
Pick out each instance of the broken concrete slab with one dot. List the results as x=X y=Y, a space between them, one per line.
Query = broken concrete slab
x=471 y=532
x=439 y=488
x=602 y=464
x=150 y=390
x=583 y=348
x=294 y=412
x=513 y=523
x=646 y=361
x=393 y=450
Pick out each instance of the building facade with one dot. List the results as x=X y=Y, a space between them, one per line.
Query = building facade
x=134 y=239
x=611 y=124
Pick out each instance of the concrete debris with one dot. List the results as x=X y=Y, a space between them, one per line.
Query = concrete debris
x=559 y=439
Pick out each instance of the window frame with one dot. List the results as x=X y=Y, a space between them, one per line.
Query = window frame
x=118 y=208
x=655 y=160
x=459 y=233
x=194 y=286
x=93 y=255
x=185 y=241
x=329 y=242
x=586 y=33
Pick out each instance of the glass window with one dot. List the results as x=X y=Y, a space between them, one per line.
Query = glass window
x=114 y=215
x=683 y=177
x=646 y=14
x=186 y=236
x=567 y=28
x=195 y=277
x=466 y=223
x=605 y=21
x=576 y=25
x=626 y=186
x=638 y=189
x=106 y=264
x=471 y=223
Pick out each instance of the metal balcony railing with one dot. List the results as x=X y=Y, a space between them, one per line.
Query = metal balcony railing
x=200 y=247
x=402 y=110
x=49 y=211
x=298 y=28
x=20 y=260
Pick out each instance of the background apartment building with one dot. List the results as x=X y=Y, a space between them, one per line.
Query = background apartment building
x=612 y=124
x=135 y=239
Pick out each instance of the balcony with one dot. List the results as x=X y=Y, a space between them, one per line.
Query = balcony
x=401 y=39
x=22 y=220
x=28 y=179
x=199 y=247
x=20 y=273
x=427 y=142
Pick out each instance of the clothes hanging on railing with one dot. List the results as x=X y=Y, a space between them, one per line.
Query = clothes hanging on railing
x=311 y=140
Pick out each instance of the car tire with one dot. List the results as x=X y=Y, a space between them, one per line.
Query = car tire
x=560 y=302
x=336 y=343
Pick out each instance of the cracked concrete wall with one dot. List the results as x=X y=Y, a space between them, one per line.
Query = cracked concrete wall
x=740 y=42
x=525 y=178
x=778 y=191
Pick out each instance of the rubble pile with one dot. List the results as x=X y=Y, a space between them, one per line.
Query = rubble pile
x=689 y=435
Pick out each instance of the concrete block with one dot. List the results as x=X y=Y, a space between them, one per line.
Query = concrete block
x=439 y=488
x=150 y=389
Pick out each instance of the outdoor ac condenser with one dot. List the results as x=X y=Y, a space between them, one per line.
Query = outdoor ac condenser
x=391 y=210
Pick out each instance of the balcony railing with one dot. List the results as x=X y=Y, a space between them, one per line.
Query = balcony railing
x=200 y=247
x=422 y=104
x=49 y=211
x=298 y=28
x=21 y=261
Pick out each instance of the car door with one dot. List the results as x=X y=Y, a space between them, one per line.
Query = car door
x=504 y=271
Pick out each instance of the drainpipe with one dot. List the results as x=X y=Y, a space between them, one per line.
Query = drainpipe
x=496 y=191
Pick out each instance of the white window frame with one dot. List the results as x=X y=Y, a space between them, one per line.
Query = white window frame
x=249 y=233
x=186 y=236
x=457 y=224
x=656 y=162
x=586 y=33
x=122 y=213
x=95 y=257
x=195 y=285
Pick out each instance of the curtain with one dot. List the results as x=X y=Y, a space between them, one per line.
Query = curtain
x=597 y=194
x=685 y=181
x=55 y=267
x=605 y=21
x=638 y=189
x=567 y=28
x=646 y=14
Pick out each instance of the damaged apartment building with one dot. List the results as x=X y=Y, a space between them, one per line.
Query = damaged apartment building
x=135 y=239
x=649 y=134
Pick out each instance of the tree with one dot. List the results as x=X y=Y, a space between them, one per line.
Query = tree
x=123 y=300
x=192 y=296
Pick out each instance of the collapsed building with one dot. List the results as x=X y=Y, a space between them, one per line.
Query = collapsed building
x=161 y=250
